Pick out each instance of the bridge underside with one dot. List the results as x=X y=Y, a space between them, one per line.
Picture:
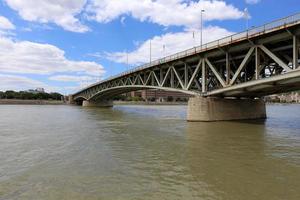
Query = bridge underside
x=259 y=63
x=110 y=93
x=274 y=85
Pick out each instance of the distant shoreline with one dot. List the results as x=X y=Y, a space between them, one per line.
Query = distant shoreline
x=147 y=103
x=181 y=103
x=30 y=102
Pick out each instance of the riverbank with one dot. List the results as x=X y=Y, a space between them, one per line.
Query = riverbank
x=182 y=103
x=30 y=102
x=147 y=103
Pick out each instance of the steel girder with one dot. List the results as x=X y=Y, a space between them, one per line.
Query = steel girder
x=213 y=72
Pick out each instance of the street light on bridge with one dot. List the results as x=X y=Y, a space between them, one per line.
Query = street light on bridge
x=247 y=17
x=202 y=11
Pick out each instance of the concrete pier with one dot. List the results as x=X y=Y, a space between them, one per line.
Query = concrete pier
x=218 y=109
x=106 y=103
x=71 y=99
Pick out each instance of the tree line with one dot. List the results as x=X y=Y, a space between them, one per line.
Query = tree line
x=30 y=95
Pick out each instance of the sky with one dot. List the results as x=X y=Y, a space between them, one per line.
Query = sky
x=65 y=45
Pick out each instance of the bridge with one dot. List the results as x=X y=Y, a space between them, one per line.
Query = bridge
x=226 y=77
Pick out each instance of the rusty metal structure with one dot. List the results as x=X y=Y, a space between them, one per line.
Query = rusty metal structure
x=258 y=62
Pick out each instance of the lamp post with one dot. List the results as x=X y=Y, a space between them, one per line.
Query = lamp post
x=202 y=11
x=247 y=16
x=194 y=38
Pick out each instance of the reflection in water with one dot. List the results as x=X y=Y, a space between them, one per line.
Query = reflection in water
x=146 y=152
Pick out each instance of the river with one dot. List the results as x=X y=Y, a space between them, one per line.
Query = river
x=146 y=152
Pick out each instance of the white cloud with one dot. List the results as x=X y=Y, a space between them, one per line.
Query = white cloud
x=67 y=13
x=173 y=42
x=164 y=12
x=61 y=12
x=17 y=83
x=69 y=78
x=5 y=24
x=252 y=1
x=35 y=58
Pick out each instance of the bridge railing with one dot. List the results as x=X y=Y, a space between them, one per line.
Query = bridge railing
x=277 y=24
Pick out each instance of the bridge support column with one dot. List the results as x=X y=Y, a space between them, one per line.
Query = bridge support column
x=71 y=100
x=97 y=104
x=217 y=109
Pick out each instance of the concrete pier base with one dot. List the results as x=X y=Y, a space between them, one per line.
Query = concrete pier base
x=217 y=109
x=71 y=100
x=97 y=104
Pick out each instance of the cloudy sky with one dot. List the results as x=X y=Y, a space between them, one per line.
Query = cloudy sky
x=65 y=45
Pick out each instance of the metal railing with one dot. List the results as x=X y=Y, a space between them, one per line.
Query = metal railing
x=274 y=25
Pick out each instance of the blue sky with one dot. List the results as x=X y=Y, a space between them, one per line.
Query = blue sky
x=66 y=45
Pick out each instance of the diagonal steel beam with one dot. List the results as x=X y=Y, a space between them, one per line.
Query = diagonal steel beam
x=147 y=80
x=129 y=78
x=142 y=81
x=161 y=77
x=155 y=77
x=194 y=74
x=275 y=58
x=135 y=80
x=198 y=84
x=125 y=81
x=216 y=73
x=179 y=79
x=166 y=75
x=242 y=65
x=119 y=82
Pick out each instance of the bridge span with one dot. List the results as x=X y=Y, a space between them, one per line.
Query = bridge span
x=227 y=77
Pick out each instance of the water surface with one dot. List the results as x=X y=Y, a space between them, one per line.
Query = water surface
x=146 y=152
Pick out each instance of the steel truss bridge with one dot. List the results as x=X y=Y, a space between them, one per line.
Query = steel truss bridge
x=258 y=62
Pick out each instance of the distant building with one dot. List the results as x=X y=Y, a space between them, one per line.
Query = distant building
x=293 y=97
x=37 y=90
x=160 y=95
x=41 y=90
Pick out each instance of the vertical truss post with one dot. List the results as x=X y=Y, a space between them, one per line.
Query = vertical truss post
x=203 y=76
x=152 y=77
x=145 y=78
x=161 y=76
x=227 y=68
x=257 y=63
x=186 y=74
x=295 y=52
x=172 y=78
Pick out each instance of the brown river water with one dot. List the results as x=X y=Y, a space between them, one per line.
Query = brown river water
x=146 y=152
